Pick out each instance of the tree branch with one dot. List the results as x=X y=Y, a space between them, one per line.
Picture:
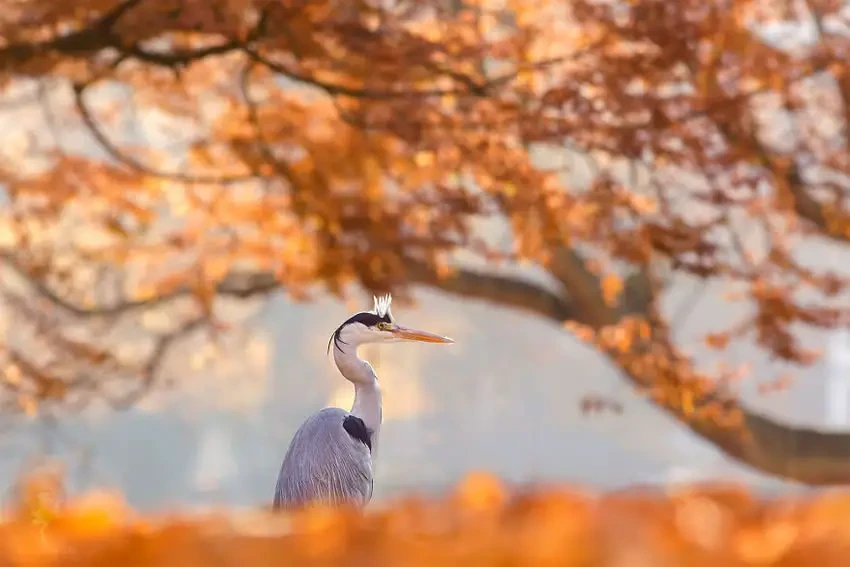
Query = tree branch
x=179 y=57
x=340 y=90
x=502 y=290
x=85 y=41
x=240 y=285
x=154 y=362
x=116 y=154
x=568 y=267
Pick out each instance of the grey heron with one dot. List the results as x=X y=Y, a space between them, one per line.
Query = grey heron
x=330 y=458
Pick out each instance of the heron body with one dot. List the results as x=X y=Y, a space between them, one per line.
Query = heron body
x=331 y=457
x=328 y=461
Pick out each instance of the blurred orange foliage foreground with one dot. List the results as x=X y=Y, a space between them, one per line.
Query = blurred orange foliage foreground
x=480 y=523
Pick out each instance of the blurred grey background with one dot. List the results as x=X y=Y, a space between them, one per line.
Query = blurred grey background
x=505 y=398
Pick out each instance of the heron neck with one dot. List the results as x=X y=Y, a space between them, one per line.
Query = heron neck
x=367 y=405
x=367 y=391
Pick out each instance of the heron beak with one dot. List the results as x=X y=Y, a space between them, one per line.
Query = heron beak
x=406 y=334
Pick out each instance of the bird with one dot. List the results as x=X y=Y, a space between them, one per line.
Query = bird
x=330 y=460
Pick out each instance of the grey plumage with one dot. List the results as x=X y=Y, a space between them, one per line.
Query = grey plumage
x=324 y=464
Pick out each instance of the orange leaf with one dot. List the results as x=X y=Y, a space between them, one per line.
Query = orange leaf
x=612 y=286
x=717 y=341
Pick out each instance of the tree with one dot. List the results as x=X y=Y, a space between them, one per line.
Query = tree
x=312 y=144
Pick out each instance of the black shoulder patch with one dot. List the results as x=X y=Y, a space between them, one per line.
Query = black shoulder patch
x=355 y=427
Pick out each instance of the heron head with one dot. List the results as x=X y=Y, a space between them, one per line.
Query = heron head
x=378 y=326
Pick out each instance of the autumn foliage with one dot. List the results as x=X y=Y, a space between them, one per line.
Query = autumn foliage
x=479 y=523
x=160 y=154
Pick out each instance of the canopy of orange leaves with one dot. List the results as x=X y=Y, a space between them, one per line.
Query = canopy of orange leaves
x=312 y=146
x=158 y=154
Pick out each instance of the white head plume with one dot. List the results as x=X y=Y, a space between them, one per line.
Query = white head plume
x=382 y=305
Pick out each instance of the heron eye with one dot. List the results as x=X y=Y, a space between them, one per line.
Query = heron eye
x=383 y=326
